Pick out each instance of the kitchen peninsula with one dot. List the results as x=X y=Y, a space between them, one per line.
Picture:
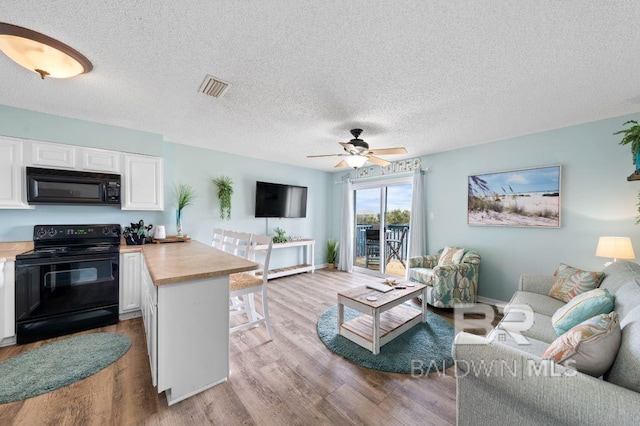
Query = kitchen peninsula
x=184 y=299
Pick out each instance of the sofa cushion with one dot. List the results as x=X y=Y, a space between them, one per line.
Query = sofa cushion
x=540 y=303
x=627 y=298
x=451 y=256
x=590 y=347
x=540 y=330
x=570 y=281
x=618 y=274
x=580 y=308
x=421 y=275
x=625 y=370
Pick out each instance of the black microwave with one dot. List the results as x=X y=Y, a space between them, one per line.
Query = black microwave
x=53 y=186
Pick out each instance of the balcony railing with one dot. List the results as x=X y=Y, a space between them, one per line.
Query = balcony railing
x=393 y=232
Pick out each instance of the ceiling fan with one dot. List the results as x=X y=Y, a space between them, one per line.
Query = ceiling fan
x=357 y=152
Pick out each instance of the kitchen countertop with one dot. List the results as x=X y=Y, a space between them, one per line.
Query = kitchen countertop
x=189 y=261
x=10 y=249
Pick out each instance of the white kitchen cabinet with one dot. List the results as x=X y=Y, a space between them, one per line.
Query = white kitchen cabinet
x=150 y=319
x=130 y=265
x=99 y=160
x=45 y=154
x=12 y=178
x=7 y=299
x=142 y=183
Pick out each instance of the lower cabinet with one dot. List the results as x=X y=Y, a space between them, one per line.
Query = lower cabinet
x=149 y=297
x=7 y=299
x=130 y=265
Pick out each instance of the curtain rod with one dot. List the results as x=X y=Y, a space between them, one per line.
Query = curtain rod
x=366 y=178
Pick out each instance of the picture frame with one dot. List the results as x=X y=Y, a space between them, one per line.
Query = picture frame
x=529 y=197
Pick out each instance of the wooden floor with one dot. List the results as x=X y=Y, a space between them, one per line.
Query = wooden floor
x=293 y=380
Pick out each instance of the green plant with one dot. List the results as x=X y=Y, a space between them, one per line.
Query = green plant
x=185 y=195
x=332 y=251
x=280 y=237
x=225 y=191
x=631 y=136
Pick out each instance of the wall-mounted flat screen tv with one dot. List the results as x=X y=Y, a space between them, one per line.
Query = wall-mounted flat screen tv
x=277 y=200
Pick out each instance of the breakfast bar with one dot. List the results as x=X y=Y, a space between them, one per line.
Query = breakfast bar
x=185 y=309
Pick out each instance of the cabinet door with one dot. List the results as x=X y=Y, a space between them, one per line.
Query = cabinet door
x=130 y=282
x=53 y=155
x=7 y=299
x=12 y=193
x=152 y=340
x=100 y=160
x=142 y=183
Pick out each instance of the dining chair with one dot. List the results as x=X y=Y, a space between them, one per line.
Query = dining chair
x=245 y=285
x=218 y=238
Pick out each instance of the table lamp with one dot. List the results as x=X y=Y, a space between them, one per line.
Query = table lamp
x=615 y=247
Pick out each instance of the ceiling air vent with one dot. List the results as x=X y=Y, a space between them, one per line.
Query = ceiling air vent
x=213 y=86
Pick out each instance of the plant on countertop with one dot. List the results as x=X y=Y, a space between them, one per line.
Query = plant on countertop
x=631 y=136
x=185 y=195
x=280 y=237
x=332 y=253
x=225 y=191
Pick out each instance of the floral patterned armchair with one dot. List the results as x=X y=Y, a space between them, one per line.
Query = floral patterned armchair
x=447 y=284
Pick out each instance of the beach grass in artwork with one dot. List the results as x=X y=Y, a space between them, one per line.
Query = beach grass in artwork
x=526 y=197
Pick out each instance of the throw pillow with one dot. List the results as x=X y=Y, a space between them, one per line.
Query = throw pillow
x=590 y=347
x=582 y=307
x=569 y=282
x=450 y=256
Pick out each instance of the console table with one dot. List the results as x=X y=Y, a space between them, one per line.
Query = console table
x=309 y=261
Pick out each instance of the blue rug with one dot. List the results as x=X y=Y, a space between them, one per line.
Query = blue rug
x=59 y=364
x=422 y=349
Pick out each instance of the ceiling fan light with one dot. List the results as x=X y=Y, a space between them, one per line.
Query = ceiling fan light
x=356 y=161
x=41 y=54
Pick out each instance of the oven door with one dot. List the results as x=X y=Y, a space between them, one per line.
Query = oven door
x=70 y=289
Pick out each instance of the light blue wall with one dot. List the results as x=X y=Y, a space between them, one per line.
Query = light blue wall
x=597 y=201
x=194 y=166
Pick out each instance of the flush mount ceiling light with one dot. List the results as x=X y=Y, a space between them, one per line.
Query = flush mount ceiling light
x=41 y=54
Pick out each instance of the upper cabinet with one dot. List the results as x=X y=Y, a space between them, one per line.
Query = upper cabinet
x=100 y=160
x=142 y=183
x=12 y=178
x=142 y=176
x=53 y=155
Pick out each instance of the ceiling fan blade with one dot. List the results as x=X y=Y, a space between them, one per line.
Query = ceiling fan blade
x=378 y=161
x=324 y=155
x=348 y=147
x=388 y=151
x=341 y=164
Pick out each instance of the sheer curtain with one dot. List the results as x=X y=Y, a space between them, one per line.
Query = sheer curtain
x=417 y=222
x=345 y=260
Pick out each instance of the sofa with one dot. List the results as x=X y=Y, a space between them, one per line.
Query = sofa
x=496 y=383
x=447 y=285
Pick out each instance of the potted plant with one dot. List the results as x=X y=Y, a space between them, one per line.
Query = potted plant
x=225 y=191
x=332 y=253
x=280 y=236
x=632 y=136
x=185 y=195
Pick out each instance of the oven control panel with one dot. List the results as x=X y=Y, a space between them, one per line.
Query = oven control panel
x=65 y=232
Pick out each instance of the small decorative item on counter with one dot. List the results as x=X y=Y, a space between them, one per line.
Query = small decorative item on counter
x=185 y=195
x=137 y=233
x=280 y=237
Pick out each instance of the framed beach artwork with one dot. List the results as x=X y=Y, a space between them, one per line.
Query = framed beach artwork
x=525 y=197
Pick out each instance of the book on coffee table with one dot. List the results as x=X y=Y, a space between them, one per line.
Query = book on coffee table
x=380 y=287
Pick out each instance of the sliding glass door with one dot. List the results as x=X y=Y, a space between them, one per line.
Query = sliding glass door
x=382 y=212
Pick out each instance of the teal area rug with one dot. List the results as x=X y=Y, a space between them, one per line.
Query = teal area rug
x=422 y=349
x=59 y=364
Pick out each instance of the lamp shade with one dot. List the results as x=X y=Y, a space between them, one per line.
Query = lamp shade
x=356 y=161
x=615 y=247
x=40 y=53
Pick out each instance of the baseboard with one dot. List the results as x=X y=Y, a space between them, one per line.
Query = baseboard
x=499 y=304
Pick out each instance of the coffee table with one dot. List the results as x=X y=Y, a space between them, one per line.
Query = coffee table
x=385 y=318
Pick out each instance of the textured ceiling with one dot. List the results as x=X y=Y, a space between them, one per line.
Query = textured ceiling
x=428 y=75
